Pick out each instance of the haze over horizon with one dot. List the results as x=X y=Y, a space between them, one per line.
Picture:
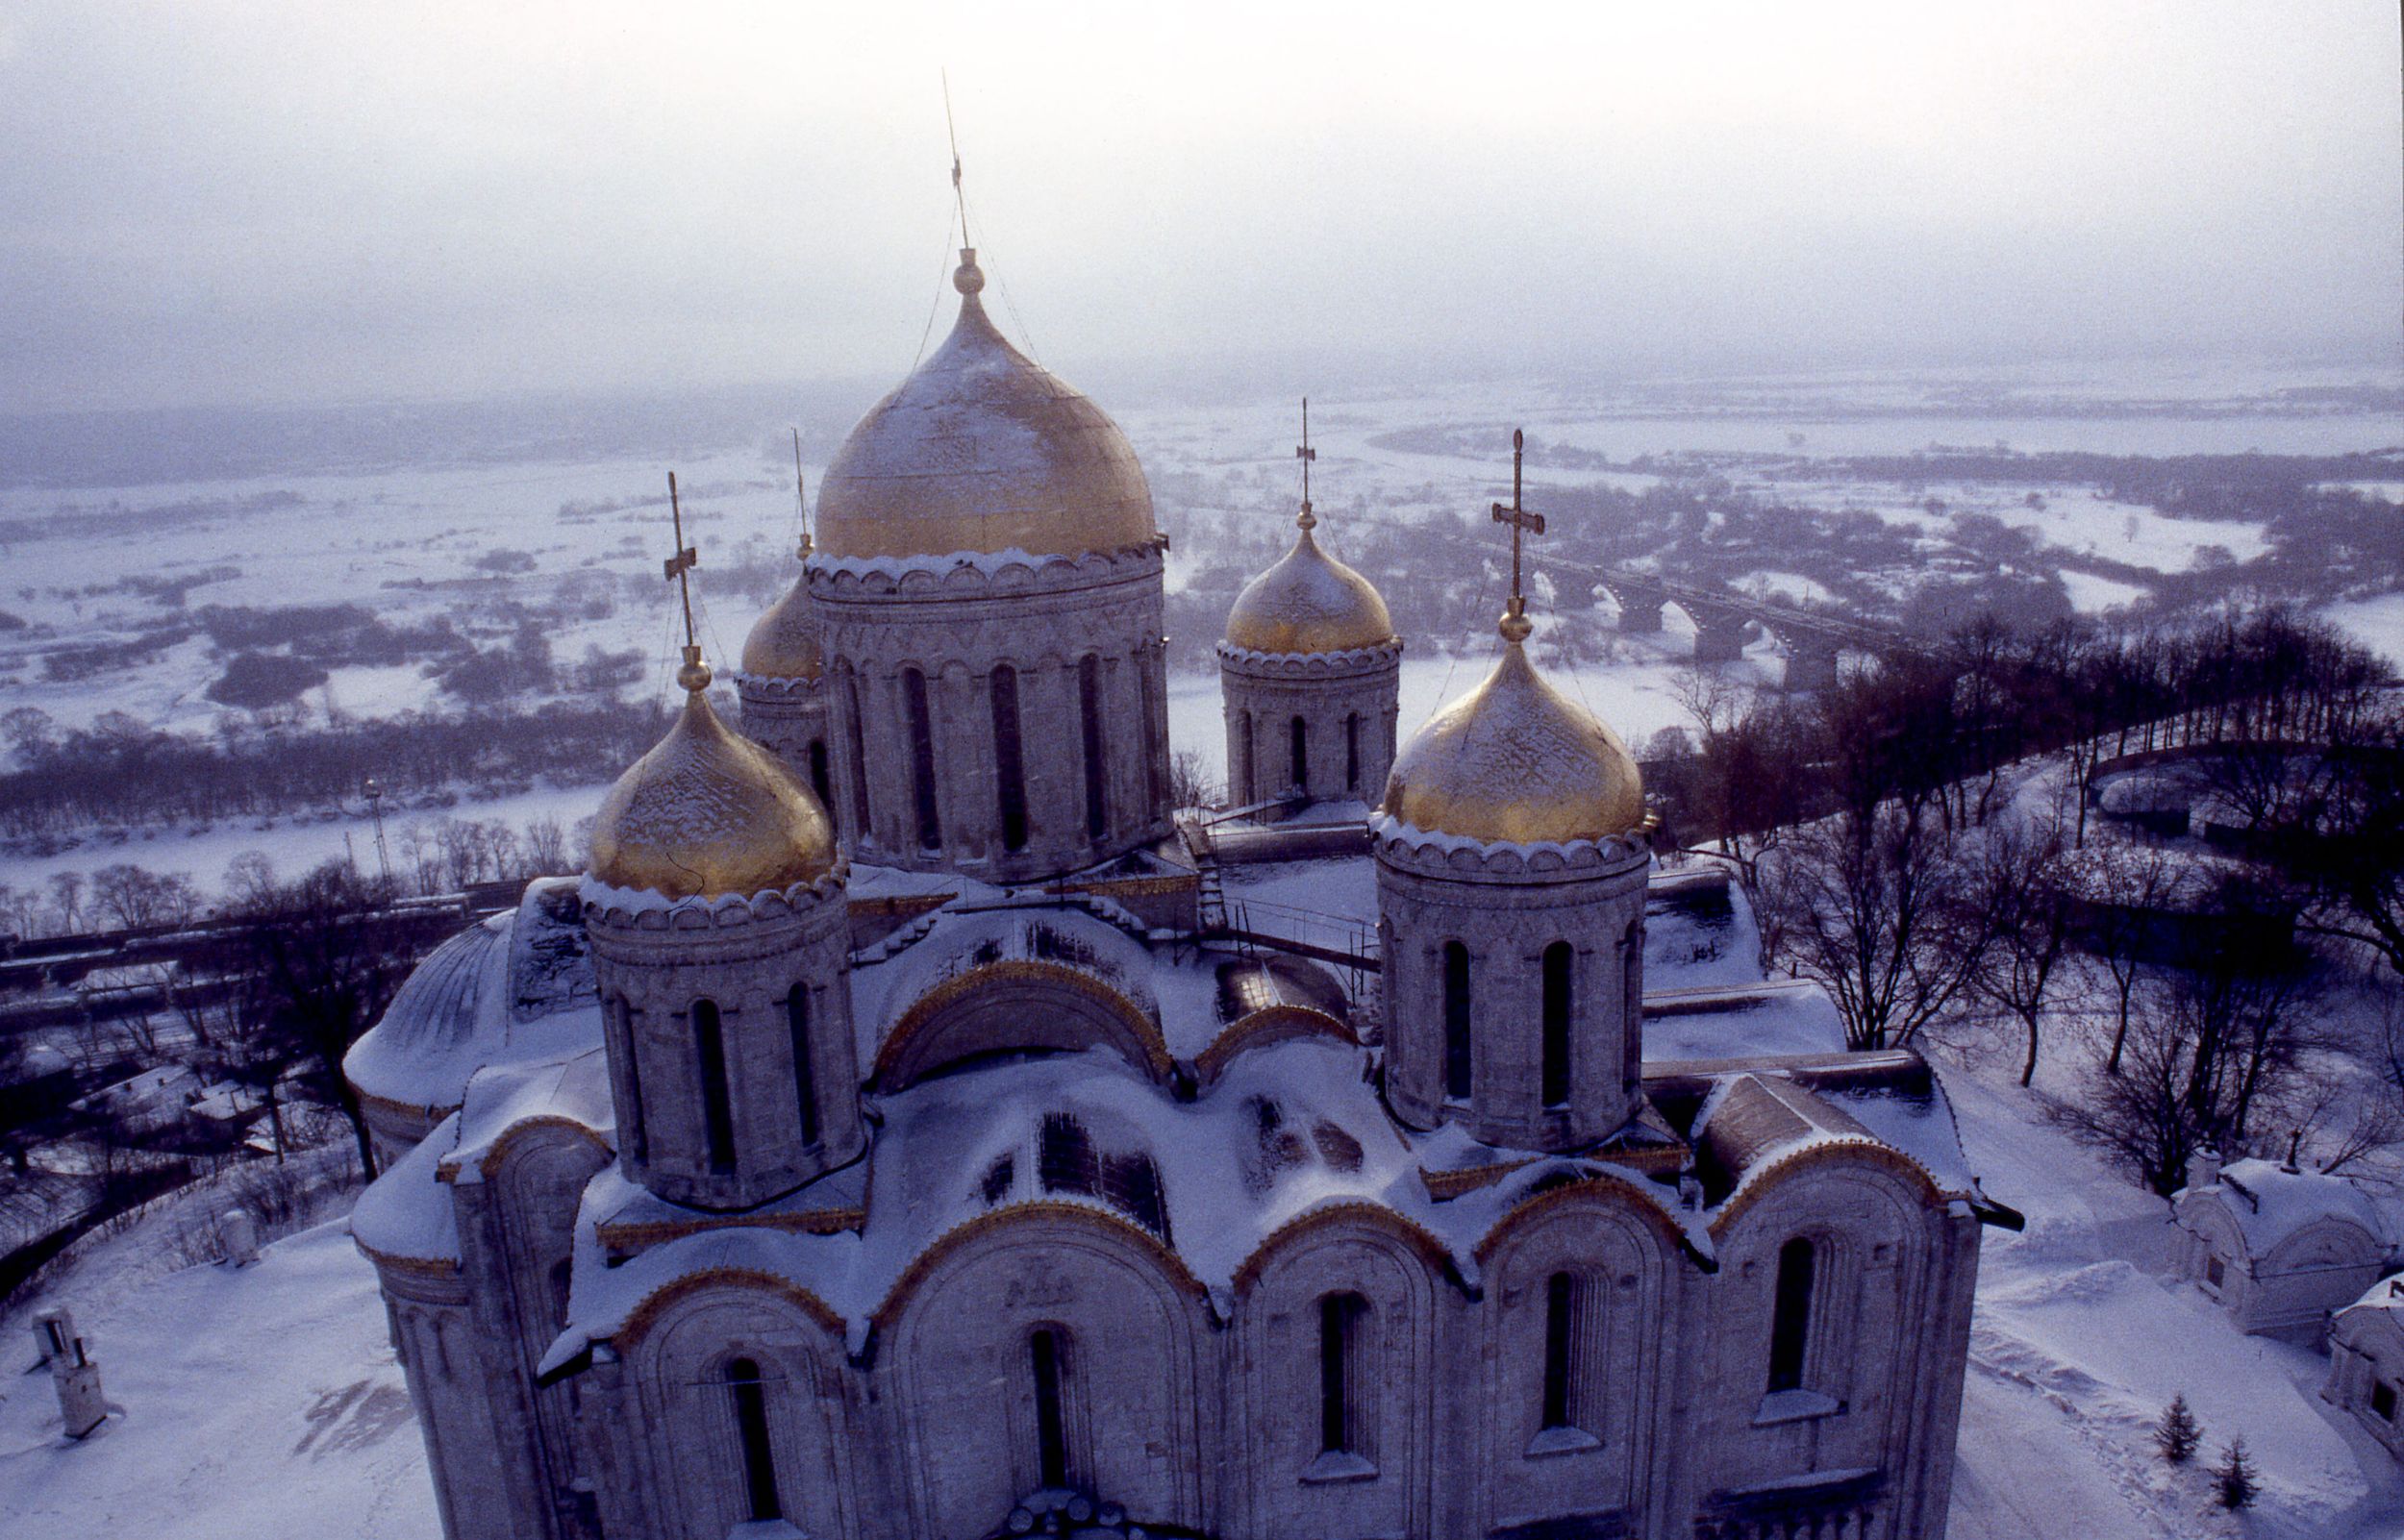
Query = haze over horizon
x=272 y=203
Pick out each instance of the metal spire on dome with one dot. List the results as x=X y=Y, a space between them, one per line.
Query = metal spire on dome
x=1515 y=621
x=1304 y=453
x=694 y=674
x=801 y=499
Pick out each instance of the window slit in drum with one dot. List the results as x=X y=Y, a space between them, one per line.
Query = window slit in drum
x=819 y=785
x=1352 y=751
x=718 y=1107
x=805 y=1086
x=922 y=758
x=1051 y=1436
x=1561 y=1296
x=1010 y=773
x=1790 y=1315
x=751 y=1424
x=1560 y=963
x=1301 y=765
x=1341 y=1382
x=858 y=754
x=1090 y=724
x=1456 y=1021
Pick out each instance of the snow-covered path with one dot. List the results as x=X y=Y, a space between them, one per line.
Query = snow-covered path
x=258 y=1403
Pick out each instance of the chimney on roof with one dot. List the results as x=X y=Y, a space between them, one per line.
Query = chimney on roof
x=2203 y=1169
x=2294 y=1141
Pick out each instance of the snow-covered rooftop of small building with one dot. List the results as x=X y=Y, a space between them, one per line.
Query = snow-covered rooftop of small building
x=2272 y=1204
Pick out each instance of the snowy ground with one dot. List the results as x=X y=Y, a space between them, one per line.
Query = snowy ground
x=283 y=1413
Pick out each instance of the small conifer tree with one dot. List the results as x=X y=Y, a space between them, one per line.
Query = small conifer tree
x=2177 y=1434
x=2234 y=1477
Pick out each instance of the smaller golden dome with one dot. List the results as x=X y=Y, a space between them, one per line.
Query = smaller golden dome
x=1516 y=761
x=1309 y=603
x=785 y=642
x=708 y=813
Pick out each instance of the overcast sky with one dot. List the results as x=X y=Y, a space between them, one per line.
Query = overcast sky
x=265 y=201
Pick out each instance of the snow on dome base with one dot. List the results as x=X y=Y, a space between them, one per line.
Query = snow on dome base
x=1309 y=602
x=1515 y=762
x=983 y=449
x=707 y=814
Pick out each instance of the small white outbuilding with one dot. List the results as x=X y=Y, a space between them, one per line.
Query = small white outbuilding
x=2366 y=1362
x=2282 y=1248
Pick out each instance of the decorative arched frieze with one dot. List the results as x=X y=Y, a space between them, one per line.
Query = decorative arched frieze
x=1016 y=1004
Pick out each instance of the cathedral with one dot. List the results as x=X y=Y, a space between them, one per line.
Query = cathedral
x=913 y=1125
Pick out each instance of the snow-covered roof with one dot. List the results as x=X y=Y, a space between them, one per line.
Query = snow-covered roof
x=2272 y=1204
x=484 y=995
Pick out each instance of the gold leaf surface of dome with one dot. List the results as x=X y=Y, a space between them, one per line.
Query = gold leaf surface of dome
x=785 y=643
x=981 y=448
x=1309 y=602
x=708 y=813
x=1516 y=761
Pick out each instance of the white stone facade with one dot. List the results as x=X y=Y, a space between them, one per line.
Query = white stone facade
x=1513 y=985
x=936 y=670
x=1318 y=725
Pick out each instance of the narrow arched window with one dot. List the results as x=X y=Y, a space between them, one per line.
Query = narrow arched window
x=820 y=786
x=1151 y=668
x=1051 y=1431
x=1561 y=1308
x=858 y=756
x=1632 y=1004
x=751 y=1426
x=1009 y=770
x=804 y=1085
x=1560 y=965
x=1300 y=756
x=1352 y=751
x=622 y=1022
x=922 y=758
x=1090 y=728
x=1341 y=1382
x=717 y=1107
x=1790 y=1315
x=1245 y=796
x=1456 y=1021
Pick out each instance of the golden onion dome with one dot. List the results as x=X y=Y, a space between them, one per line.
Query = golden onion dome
x=981 y=448
x=785 y=643
x=1515 y=761
x=708 y=813
x=1309 y=603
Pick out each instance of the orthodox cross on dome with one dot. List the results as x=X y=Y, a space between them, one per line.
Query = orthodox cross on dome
x=694 y=674
x=1304 y=453
x=1515 y=621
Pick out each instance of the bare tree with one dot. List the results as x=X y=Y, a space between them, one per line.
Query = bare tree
x=1881 y=913
x=2124 y=886
x=2016 y=887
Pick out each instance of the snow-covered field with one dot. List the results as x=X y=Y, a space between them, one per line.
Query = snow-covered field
x=266 y=1402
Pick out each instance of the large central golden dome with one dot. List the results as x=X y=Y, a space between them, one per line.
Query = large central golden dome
x=1309 y=603
x=708 y=813
x=1515 y=761
x=981 y=448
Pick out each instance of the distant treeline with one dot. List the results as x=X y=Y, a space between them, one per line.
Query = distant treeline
x=120 y=772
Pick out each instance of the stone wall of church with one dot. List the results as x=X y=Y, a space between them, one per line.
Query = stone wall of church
x=788 y=718
x=1346 y=704
x=789 y=1117
x=1504 y=909
x=1457 y=1411
x=450 y=1365
x=934 y=678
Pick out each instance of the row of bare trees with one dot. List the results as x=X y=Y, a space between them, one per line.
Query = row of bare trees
x=1898 y=846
